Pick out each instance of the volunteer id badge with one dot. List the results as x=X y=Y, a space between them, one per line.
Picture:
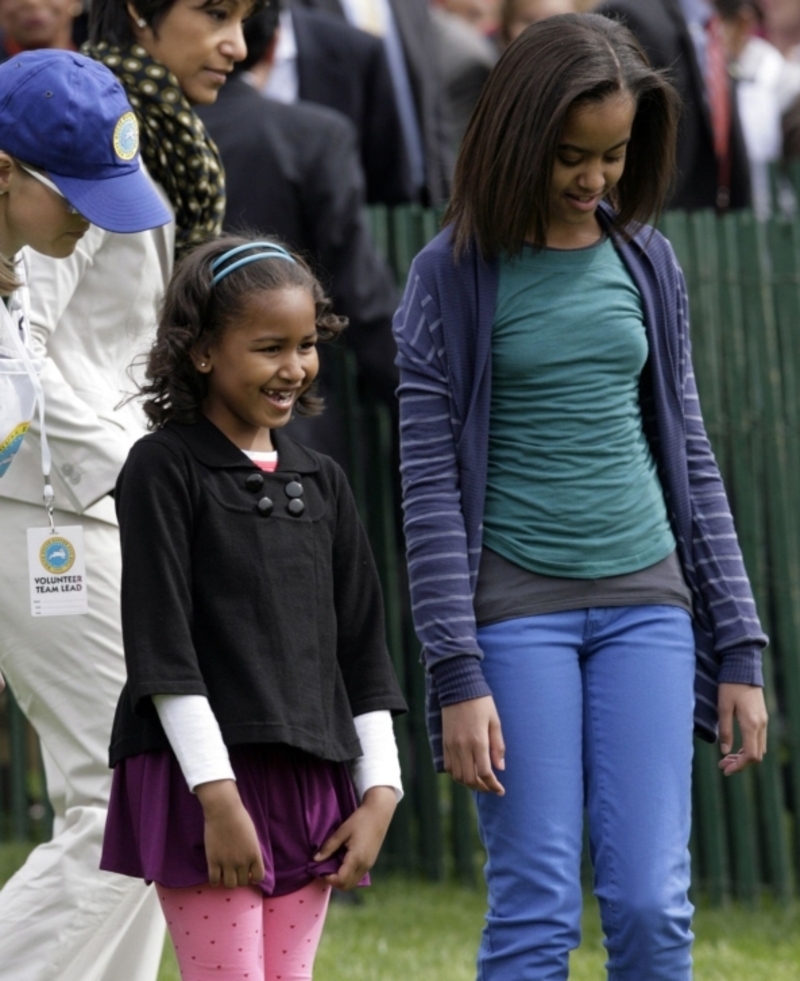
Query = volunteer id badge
x=57 y=571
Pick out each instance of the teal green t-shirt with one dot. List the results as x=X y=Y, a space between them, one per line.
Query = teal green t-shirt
x=572 y=485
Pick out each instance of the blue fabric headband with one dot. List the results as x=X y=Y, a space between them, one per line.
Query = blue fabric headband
x=272 y=251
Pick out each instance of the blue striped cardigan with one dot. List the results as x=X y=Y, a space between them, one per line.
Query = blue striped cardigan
x=443 y=331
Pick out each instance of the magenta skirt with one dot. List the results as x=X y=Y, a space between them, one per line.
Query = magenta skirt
x=155 y=824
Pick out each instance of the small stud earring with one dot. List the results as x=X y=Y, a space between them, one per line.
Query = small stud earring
x=141 y=22
x=202 y=364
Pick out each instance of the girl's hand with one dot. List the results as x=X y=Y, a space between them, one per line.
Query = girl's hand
x=232 y=849
x=746 y=703
x=473 y=744
x=361 y=835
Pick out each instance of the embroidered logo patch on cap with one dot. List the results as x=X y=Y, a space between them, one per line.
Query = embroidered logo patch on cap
x=126 y=136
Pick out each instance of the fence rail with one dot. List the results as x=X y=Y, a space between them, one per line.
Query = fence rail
x=744 y=288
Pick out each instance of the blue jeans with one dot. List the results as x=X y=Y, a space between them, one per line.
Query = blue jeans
x=596 y=707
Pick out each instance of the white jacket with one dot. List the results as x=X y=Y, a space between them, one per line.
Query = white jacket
x=91 y=316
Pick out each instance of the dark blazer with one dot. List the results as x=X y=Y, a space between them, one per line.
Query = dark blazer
x=467 y=59
x=423 y=63
x=663 y=33
x=276 y=617
x=346 y=69
x=293 y=171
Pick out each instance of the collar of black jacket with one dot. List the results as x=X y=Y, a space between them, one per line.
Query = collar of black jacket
x=213 y=448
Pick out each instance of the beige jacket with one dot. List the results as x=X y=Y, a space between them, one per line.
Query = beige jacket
x=92 y=315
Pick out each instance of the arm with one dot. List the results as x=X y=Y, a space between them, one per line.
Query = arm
x=376 y=776
x=723 y=581
x=438 y=566
x=232 y=848
x=76 y=432
x=361 y=835
x=233 y=852
x=379 y=764
x=155 y=507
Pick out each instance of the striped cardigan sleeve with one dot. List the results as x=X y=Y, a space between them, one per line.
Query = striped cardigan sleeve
x=716 y=556
x=436 y=539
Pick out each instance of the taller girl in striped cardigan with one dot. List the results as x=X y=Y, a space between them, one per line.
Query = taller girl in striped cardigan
x=576 y=580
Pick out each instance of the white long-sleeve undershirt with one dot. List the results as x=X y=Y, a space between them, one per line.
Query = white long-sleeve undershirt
x=194 y=735
x=195 y=738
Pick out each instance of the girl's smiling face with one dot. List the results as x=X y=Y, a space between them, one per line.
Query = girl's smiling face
x=198 y=41
x=260 y=365
x=590 y=159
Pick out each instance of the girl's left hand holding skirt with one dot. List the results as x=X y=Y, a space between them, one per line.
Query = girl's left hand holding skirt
x=361 y=835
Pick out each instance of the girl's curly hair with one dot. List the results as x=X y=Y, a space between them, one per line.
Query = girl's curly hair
x=193 y=312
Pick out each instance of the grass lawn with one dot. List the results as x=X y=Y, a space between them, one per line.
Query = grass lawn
x=416 y=931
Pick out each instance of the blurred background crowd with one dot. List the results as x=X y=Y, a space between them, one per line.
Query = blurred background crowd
x=344 y=103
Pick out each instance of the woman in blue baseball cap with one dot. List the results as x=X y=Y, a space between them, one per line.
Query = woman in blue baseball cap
x=91 y=315
x=68 y=156
x=69 y=162
x=66 y=125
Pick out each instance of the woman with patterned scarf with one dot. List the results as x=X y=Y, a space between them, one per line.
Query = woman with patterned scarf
x=94 y=313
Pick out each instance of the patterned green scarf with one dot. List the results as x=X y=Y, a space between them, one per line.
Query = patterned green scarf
x=177 y=150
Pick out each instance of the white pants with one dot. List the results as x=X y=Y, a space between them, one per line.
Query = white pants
x=61 y=918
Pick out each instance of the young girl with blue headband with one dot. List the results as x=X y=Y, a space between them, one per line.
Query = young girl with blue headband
x=252 y=745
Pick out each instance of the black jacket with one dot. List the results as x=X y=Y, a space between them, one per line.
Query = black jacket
x=423 y=63
x=346 y=69
x=276 y=618
x=662 y=31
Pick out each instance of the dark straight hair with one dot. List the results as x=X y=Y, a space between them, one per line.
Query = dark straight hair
x=110 y=20
x=502 y=180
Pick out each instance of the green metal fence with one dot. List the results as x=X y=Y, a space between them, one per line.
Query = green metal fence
x=744 y=286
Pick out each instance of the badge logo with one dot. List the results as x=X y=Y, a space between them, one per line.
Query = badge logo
x=57 y=555
x=10 y=445
x=126 y=137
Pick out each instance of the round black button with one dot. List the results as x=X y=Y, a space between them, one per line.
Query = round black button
x=294 y=489
x=295 y=507
x=265 y=506
x=254 y=482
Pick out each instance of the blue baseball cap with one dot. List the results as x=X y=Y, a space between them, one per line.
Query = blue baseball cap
x=68 y=116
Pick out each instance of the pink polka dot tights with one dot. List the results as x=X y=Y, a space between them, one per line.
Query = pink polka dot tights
x=242 y=935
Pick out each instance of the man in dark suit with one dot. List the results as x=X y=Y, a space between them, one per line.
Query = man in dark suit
x=293 y=171
x=420 y=57
x=346 y=69
x=467 y=59
x=674 y=35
